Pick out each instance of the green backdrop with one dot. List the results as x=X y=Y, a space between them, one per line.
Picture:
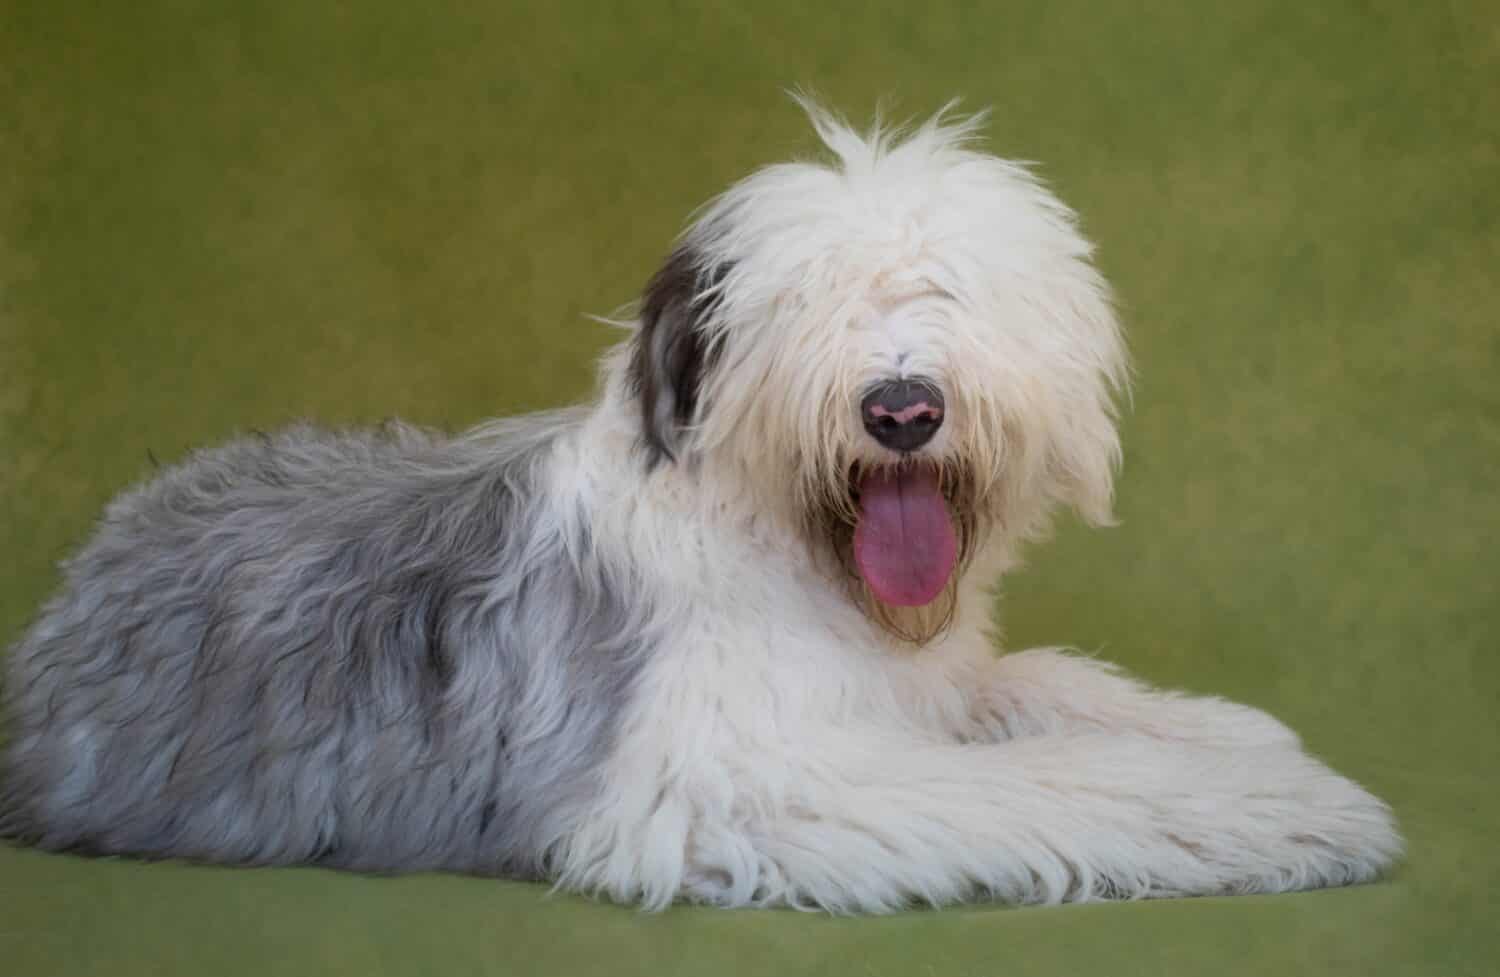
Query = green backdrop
x=216 y=216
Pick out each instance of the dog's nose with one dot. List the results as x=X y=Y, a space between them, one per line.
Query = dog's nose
x=903 y=415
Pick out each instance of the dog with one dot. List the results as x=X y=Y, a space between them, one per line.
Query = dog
x=721 y=636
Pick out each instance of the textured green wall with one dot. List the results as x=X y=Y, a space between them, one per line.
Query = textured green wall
x=216 y=216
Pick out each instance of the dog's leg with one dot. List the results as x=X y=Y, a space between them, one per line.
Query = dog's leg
x=1045 y=691
x=1046 y=819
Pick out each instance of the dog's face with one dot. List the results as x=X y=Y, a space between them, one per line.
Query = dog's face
x=906 y=351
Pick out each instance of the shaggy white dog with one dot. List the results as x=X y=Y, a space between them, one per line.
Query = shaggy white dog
x=720 y=636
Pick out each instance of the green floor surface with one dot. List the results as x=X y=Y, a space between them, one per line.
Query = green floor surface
x=217 y=216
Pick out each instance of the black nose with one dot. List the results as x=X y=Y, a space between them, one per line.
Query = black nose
x=903 y=415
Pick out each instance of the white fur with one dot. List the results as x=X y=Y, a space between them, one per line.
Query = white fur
x=782 y=748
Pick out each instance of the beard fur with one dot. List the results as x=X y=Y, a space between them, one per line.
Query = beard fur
x=832 y=517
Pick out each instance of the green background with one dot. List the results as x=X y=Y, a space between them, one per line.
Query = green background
x=216 y=216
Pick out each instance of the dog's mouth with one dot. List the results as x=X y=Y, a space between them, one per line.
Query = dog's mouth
x=905 y=545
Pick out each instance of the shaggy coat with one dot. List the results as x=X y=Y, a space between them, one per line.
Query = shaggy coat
x=646 y=648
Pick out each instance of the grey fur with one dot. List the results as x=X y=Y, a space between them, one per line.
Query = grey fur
x=377 y=650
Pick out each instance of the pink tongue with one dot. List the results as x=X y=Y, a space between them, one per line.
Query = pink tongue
x=904 y=543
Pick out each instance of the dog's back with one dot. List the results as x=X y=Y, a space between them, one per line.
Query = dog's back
x=309 y=646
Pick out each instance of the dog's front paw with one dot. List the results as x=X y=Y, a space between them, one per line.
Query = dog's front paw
x=1048 y=691
x=1211 y=721
x=1275 y=820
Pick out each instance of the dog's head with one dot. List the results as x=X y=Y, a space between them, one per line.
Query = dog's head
x=905 y=349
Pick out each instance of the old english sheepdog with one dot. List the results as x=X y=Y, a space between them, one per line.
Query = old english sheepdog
x=723 y=635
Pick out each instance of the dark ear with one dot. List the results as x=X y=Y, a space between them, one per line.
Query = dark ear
x=672 y=352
